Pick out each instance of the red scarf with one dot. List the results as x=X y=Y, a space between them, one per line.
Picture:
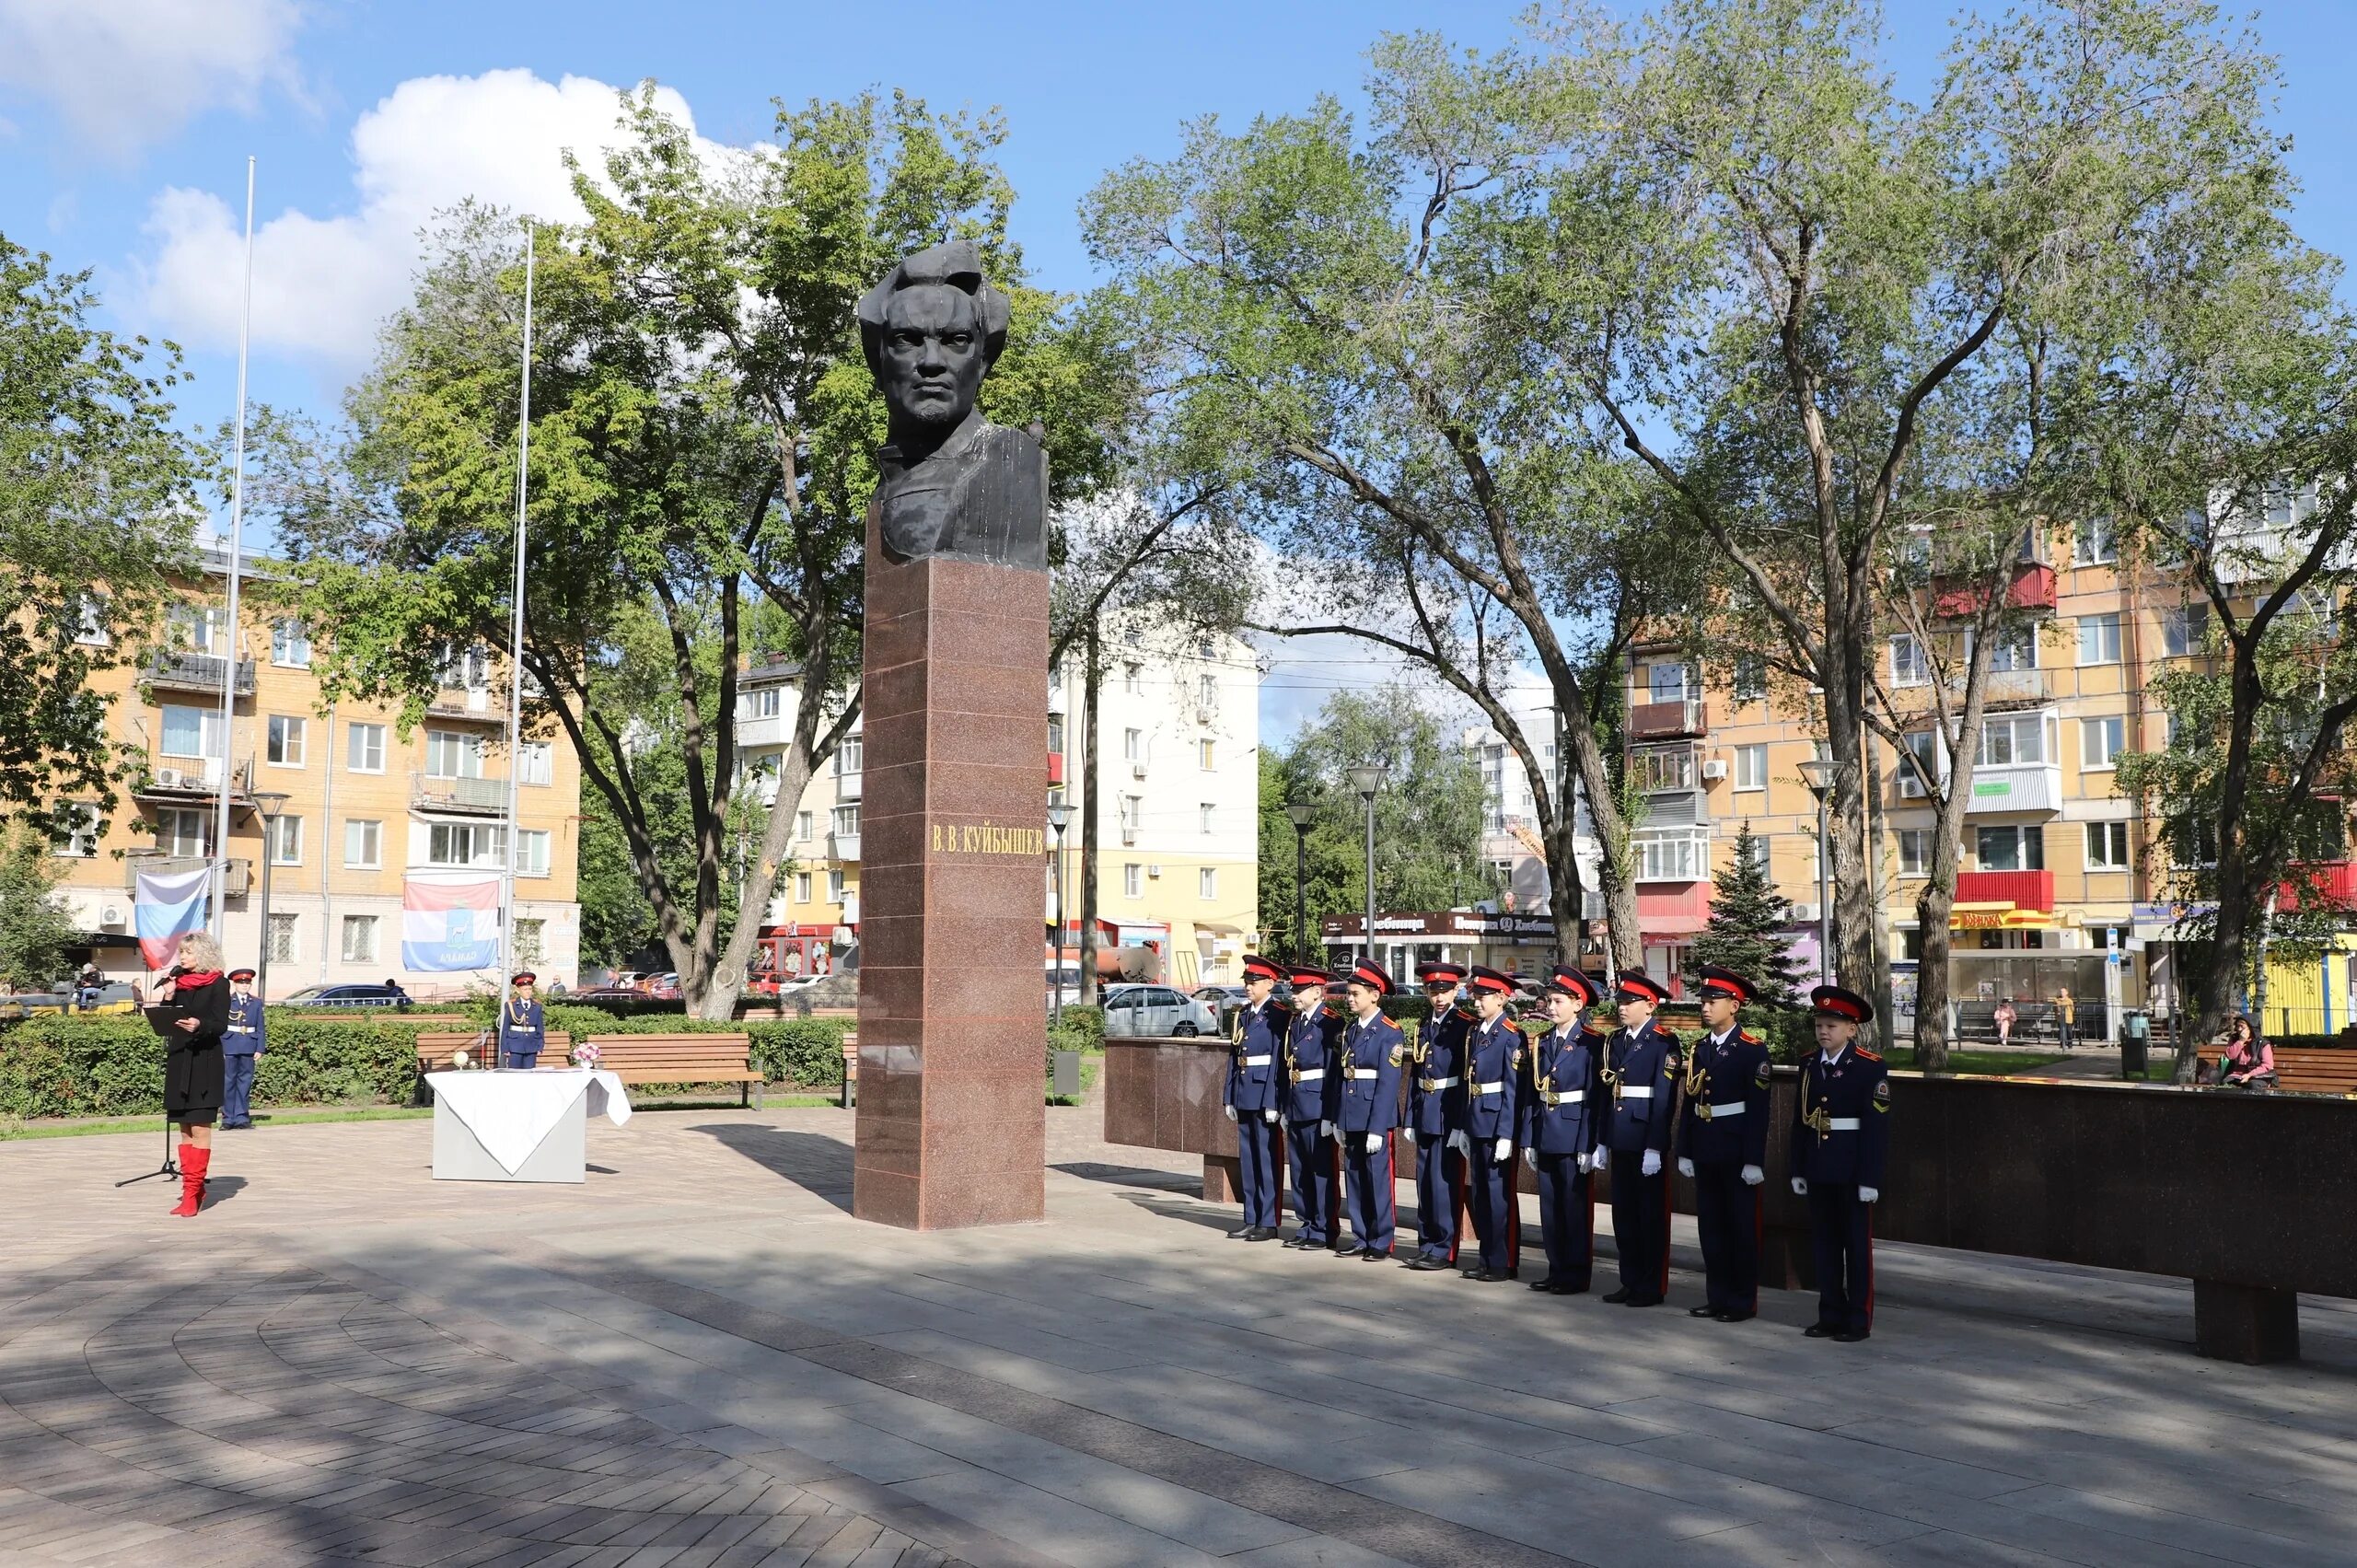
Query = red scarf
x=190 y=979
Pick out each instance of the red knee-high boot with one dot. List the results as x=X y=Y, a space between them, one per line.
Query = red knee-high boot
x=193 y=1164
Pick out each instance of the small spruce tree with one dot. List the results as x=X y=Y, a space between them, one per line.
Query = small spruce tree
x=1747 y=931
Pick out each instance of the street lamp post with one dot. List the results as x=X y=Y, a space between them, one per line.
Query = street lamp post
x=1817 y=773
x=1058 y=815
x=1300 y=811
x=1367 y=778
x=267 y=804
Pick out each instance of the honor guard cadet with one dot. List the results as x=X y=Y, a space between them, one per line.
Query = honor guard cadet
x=1723 y=1145
x=1373 y=1051
x=1437 y=1110
x=1840 y=1137
x=523 y=1031
x=240 y=1045
x=1493 y=1052
x=1255 y=1087
x=1560 y=1129
x=1638 y=1075
x=1311 y=1096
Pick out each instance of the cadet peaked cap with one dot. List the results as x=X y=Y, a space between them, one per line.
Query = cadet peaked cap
x=1441 y=973
x=1492 y=980
x=1258 y=968
x=526 y=977
x=1304 y=975
x=1636 y=985
x=241 y=974
x=1571 y=983
x=1836 y=1001
x=1371 y=975
x=1719 y=980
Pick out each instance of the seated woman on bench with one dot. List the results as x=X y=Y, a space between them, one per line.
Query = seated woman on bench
x=2248 y=1061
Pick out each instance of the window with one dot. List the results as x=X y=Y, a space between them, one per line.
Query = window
x=1055 y=734
x=1205 y=814
x=1207 y=691
x=2013 y=740
x=451 y=754
x=290 y=646
x=282 y=938
x=287 y=841
x=2100 y=741
x=284 y=747
x=2099 y=639
x=1752 y=767
x=1131 y=683
x=1915 y=852
x=531 y=852
x=1207 y=755
x=850 y=755
x=1668 y=682
x=836 y=886
x=91 y=617
x=80 y=839
x=1678 y=854
x=466 y=843
x=2015 y=649
x=364 y=748
x=469 y=668
x=536 y=762
x=2185 y=631
x=1750 y=678
x=1909 y=666
x=1207 y=882
x=2094 y=542
x=802 y=886
x=192 y=732
x=2106 y=846
x=193 y=627
x=360 y=939
x=846 y=819
x=1925 y=746
x=182 y=830
x=1131 y=807
x=1133 y=744
x=2193 y=841
x=2014 y=847
x=364 y=842
x=529 y=948
x=760 y=704
x=1761 y=856
x=805 y=825
x=1132 y=879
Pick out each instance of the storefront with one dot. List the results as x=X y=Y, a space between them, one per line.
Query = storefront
x=1515 y=944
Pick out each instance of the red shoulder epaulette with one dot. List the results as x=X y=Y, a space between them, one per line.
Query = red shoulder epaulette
x=1748 y=1037
x=1865 y=1055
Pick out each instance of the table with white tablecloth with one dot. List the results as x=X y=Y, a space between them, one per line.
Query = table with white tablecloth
x=519 y=1126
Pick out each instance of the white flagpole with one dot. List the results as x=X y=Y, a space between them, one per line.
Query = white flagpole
x=515 y=637
x=225 y=783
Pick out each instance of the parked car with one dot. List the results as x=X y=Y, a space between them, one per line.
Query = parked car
x=350 y=996
x=1224 y=1001
x=1155 y=1010
x=1063 y=983
x=664 y=987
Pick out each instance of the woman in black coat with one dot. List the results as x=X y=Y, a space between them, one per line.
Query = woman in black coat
x=199 y=994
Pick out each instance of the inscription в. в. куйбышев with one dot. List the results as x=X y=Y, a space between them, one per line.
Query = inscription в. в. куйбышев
x=988 y=838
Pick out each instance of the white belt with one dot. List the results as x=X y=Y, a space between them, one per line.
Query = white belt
x=242 y=1028
x=1713 y=1112
x=1498 y=1088
x=1642 y=1091
x=521 y=1029
x=1568 y=1097
x=1434 y=1086
x=1309 y=1077
x=1842 y=1124
x=1262 y=1060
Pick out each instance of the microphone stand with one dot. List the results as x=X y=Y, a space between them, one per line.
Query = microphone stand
x=170 y=1167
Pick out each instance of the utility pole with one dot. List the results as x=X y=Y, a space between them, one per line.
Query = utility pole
x=1092 y=679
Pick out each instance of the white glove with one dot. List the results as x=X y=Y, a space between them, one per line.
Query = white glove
x=1374 y=1142
x=1530 y=1158
x=1325 y=1128
x=1408 y=1133
x=1270 y=1114
x=1800 y=1186
x=1231 y=1111
x=1686 y=1167
x=1868 y=1194
x=1581 y=1163
x=1596 y=1160
x=1502 y=1151
x=1652 y=1162
x=1461 y=1143
x=1753 y=1176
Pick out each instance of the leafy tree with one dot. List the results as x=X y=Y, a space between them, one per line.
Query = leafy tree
x=35 y=930
x=1747 y=931
x=98 y=495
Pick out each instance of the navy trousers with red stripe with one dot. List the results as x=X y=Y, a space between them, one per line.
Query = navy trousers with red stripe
x=1496 y=1211
x=1440 y=1173
x=1842 y=1229
x=1726 y=1216
x=1567 y=1220
x=1640 y=1224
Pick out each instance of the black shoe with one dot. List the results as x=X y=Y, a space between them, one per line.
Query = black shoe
x=1303 y=1244
x=1737 y=1316
x=1851 y=1336
x=1642 y=1301
x=1820 y=1330
x=1548 y=1282
x=1492 y=1276
x=1619 y=1297
x=1345 y=1249
x=1372 y=1256
x=1567 y=1289
x=1261 y=1233
x=1428 y=1265
x=1241 y=1233
x=1703 y=1312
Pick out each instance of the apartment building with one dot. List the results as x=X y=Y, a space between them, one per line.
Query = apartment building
x=1511 y=843
x=813 y=910
x=332 y=808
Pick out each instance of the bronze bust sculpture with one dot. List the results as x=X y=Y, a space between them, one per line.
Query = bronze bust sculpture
x=950 y=482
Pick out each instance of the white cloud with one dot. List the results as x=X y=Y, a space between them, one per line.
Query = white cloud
x=323 y=284
x=126 y=73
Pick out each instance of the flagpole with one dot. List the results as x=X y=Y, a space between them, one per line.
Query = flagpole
x=515 y=636
x=219 y=881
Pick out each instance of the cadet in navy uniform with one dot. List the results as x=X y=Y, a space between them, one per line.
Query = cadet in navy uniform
x=242 y=1043
x=1255 y=1086
x=523 y=1031
x=1493 y=1053
x=1437 y=1110
x=1723 y=1145
x=1639 y=1074
x=1560 y=1129
x=1840 y=1138
x=1373 y=1051
x=1312 y=1095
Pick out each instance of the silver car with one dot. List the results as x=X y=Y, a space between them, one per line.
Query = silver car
x=1155 y=1010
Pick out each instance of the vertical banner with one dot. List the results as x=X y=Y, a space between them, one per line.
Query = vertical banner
x=449 y=925
x=164 y=908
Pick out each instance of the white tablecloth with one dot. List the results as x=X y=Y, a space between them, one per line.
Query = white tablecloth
x=509 y=1113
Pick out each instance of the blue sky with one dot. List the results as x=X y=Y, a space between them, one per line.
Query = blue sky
x=124 y=126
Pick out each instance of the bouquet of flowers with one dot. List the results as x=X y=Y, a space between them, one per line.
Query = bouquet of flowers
x=585 y=1054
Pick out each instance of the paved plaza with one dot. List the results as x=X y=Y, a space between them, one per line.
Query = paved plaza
x=700 y=1359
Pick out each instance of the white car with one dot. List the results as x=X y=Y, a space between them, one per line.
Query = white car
x=1155 y=1010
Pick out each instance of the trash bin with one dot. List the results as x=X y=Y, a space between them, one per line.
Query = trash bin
x=2135 y=1038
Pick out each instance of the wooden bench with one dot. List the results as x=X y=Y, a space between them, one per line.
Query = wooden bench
x=682 y=1059
x=2305 y=1069
x=851 y=1068
x=434 y=1048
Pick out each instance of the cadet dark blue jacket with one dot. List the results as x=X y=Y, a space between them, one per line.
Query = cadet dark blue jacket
x=522 y=1029
x=1493 y=1053
x=1369 y=1059
x=1564 y=1114
x=247 y=1034
x=1841 y=1125
x=1437 y=1088
x=1733 y=1079
x=1256 y=1058
x=1640 y=1075
x=1313 y=1086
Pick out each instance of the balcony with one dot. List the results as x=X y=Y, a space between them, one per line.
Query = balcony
x=2027 y=787
x=2033 y=587
x=465 y=703
x=182 y=671
x=188 y=779
x=1055 y=767
x=1663 y=720
x=2022 y=890
x=1660 y=768
x=847 y=785
x=237 y=875
x=2004 y=687
x=844 y=847
x=476 y=796
x=1671 y=854
x=2333 y=883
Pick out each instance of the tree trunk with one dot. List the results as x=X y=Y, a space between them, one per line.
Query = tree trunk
x=1092 y=678
x=2214 y=995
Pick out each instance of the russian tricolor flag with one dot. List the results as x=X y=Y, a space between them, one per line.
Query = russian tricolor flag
x=449 y=925
x=164 y=908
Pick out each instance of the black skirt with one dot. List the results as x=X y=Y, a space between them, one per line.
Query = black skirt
x=192 y=1082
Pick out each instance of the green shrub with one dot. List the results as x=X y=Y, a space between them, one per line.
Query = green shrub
x=113 y=1065
x=1082 y=1024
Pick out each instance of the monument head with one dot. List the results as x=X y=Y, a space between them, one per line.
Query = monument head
x=930 y=330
